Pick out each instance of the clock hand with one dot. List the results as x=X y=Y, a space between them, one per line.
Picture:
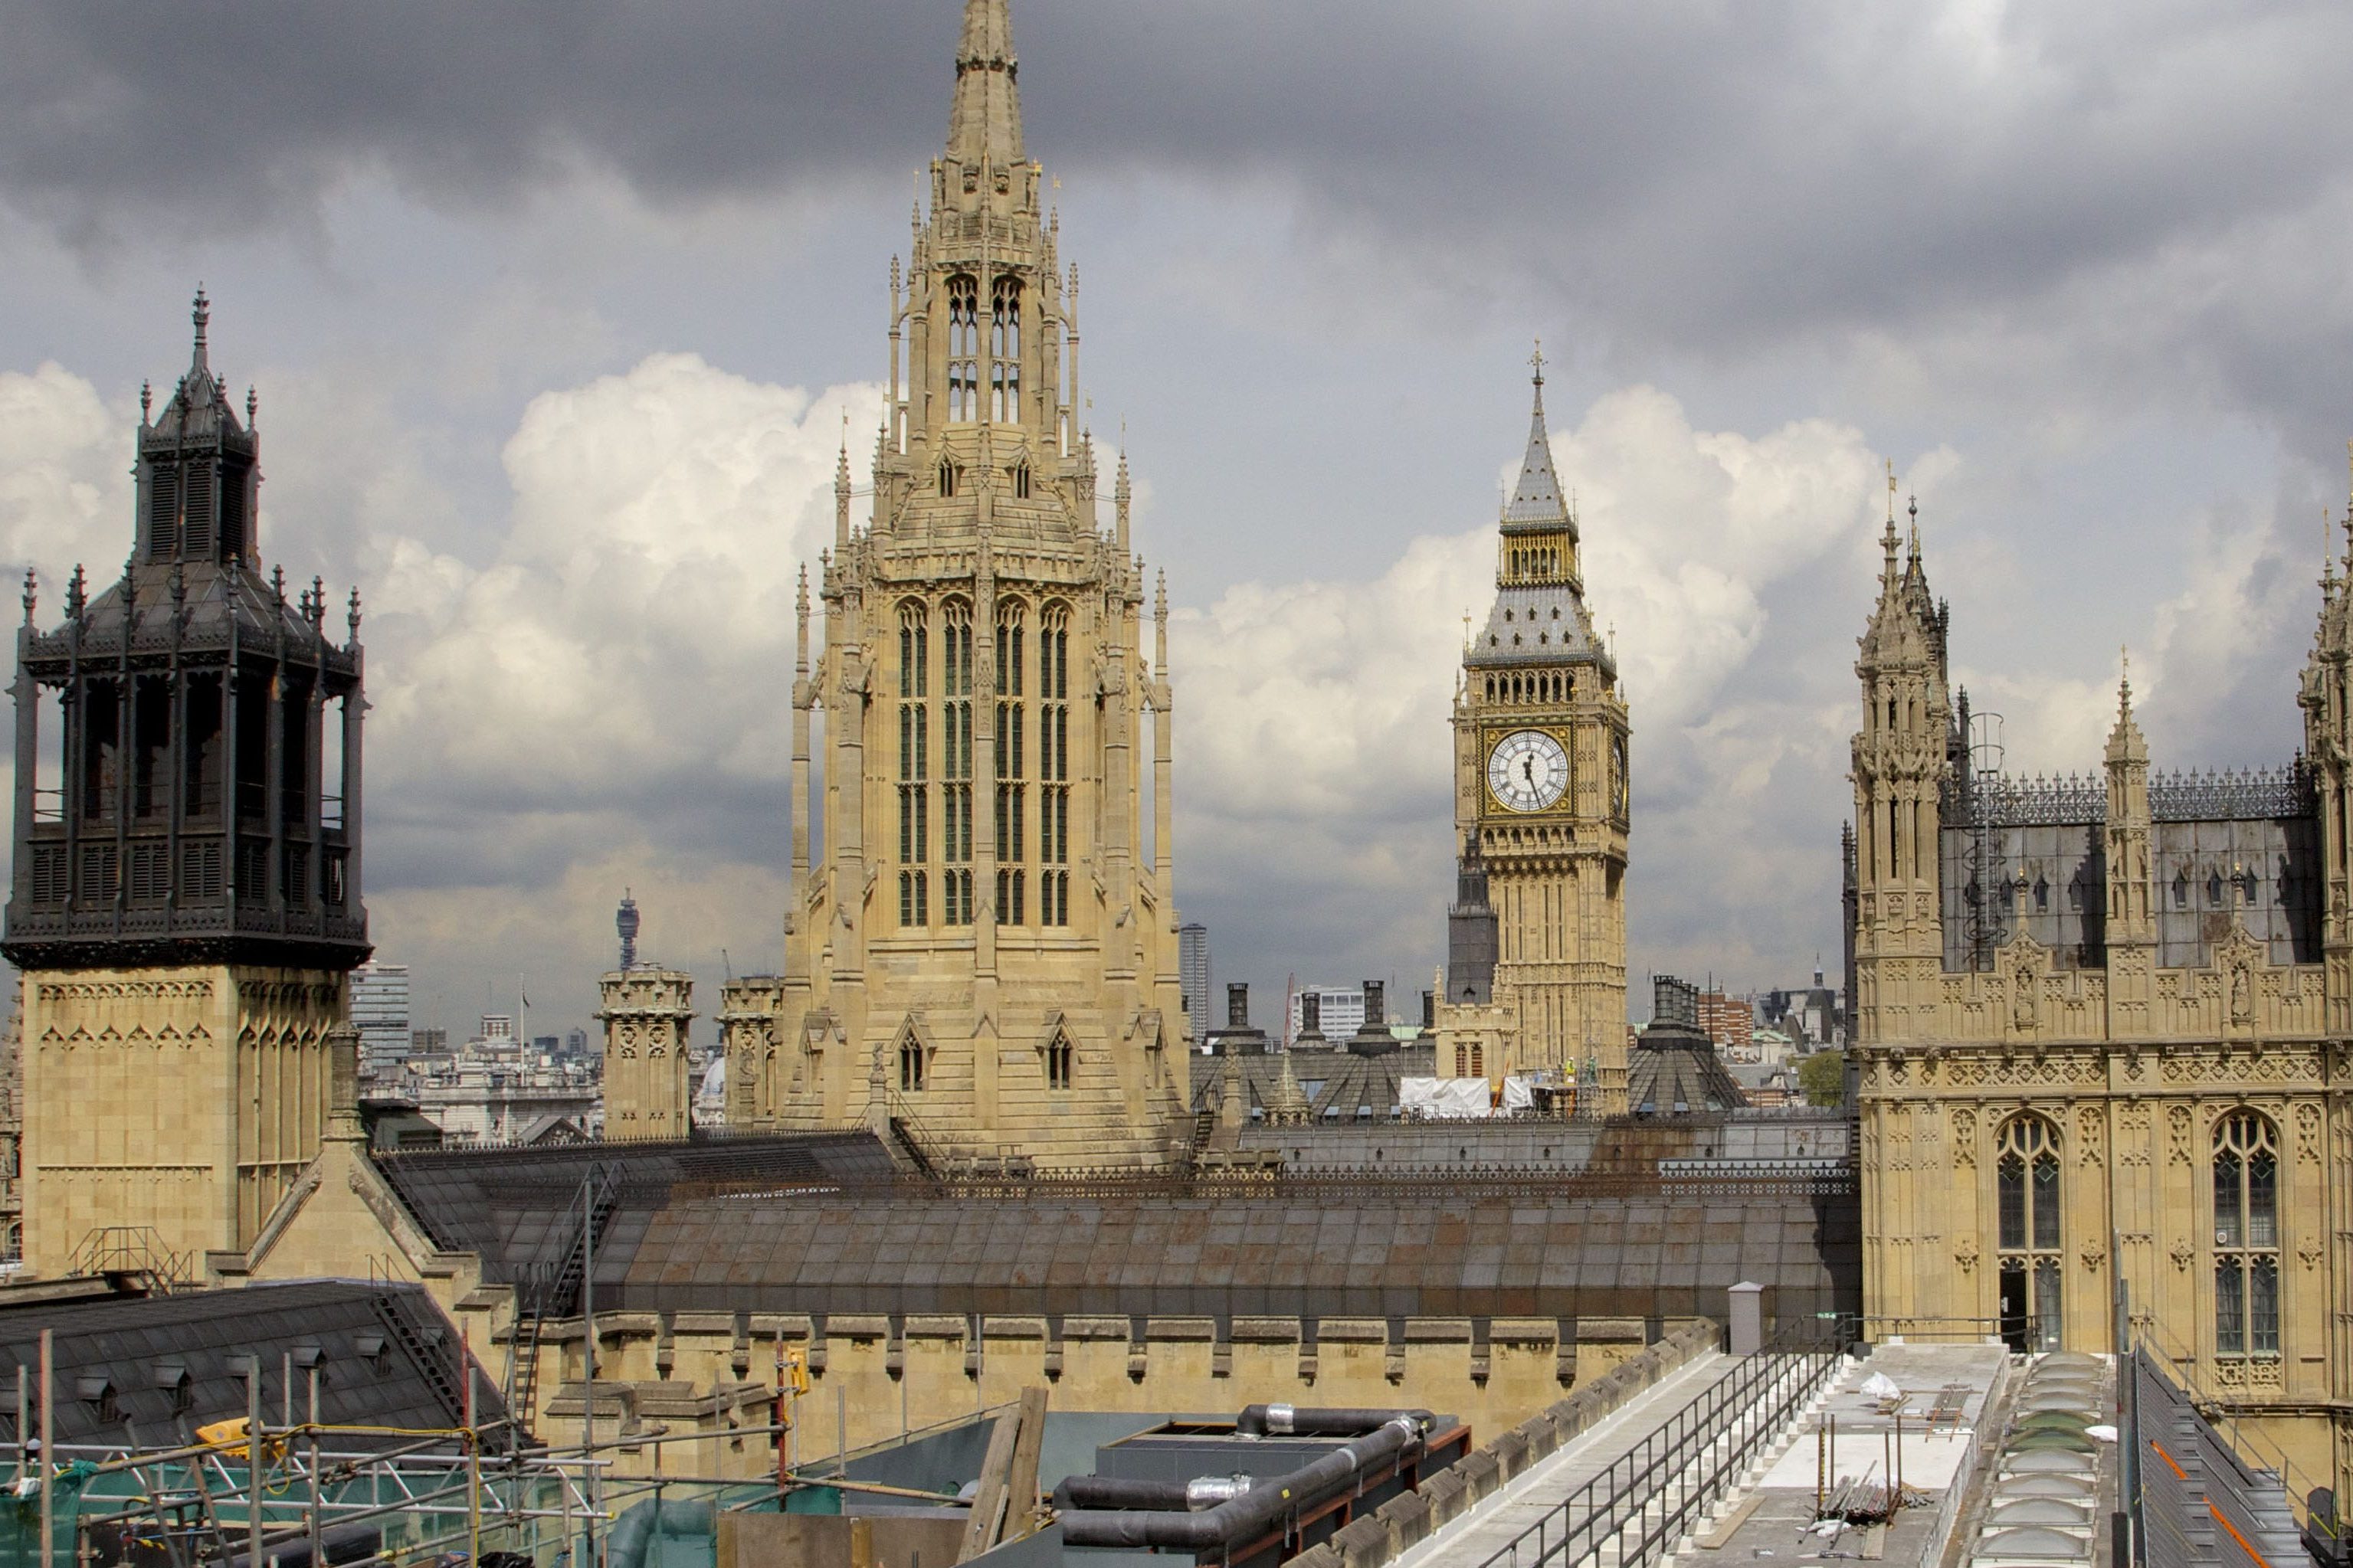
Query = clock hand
x=1528 y=771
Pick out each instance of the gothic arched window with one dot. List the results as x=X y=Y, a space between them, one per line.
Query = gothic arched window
x=2026 y=1190
x=1060 y=1061
x=1004 y=352
x=1012 y=761
x=1054 y=765
x=964 y=348
x=911 y=1065
x=914 y=764
x=955 y=746
x=2246 y=1236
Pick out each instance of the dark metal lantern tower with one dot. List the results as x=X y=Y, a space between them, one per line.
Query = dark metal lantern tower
x=200 y=802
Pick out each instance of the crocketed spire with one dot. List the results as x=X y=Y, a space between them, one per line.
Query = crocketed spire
x=986 y=124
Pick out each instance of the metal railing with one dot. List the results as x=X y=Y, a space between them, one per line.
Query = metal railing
x=1633 y=1514
x=2022 y=1331
x=138 y=1249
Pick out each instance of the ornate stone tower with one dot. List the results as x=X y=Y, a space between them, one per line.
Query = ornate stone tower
x=1900 y=761
x=2327 y=697
x=648 y=1091
x=985 y=950
x=185 y=900
x=1541 y=800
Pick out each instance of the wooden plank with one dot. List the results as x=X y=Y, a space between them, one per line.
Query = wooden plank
x=988 y=1499
x=1729 y=1525
x=1022 y=1475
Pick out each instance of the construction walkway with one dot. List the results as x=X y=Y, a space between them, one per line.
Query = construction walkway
x=1519 y=1505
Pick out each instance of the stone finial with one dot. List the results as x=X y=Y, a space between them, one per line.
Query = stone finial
x=146 y=400
x=31 y=584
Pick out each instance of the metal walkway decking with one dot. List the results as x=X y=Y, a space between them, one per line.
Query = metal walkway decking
x=1624 y=1493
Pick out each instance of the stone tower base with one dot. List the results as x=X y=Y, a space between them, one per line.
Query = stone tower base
x=166 y=1111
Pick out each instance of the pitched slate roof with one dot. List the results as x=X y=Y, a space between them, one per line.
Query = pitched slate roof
x=508 y=1204
x=1346 y=1247
x=150 y=1370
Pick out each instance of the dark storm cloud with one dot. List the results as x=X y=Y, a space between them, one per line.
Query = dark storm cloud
x=1707 y=171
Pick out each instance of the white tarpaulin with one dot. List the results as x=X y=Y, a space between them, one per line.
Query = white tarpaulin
x=1443 y=1098
x=1519 y=1093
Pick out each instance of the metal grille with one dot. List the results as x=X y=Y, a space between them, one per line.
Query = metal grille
x=2245 y=795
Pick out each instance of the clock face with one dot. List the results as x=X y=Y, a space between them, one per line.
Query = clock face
x=1528 y=771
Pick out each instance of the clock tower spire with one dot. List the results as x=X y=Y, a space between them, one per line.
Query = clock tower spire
x=1541 y=802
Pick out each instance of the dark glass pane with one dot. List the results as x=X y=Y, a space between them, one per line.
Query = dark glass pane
x=2010 y=1185
x=2227 y=1230
x=2046 y=1302
x=2263 y=1199
x=2046 y=1200
x=2263 y=1306
x=2230 y=1309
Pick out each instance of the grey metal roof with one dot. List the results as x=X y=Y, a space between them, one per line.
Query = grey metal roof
x=1538 y=622
x=1347 y=1248
x=1337 y=1084
x=1671 y=1073
x=507 y=1204
x=151 y=1369
x=2215 y=1486
x=1536 y=500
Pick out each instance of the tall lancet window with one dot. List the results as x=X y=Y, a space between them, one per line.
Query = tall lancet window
x=956 y=793
x=964 y=348
x=1012 y=765
x=914 y=766
x=2246 y=1236
x=2026 y=1183
x=1004 y=352
x=1054 y=766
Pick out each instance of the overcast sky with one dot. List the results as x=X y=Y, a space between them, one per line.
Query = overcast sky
x=555 y=309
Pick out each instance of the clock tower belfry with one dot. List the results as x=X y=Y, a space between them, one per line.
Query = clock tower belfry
x=1540 y=807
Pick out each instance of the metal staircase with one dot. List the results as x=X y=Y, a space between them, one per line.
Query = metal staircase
x=550 y=1288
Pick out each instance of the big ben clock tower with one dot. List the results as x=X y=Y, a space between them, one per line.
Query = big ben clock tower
x=1540 y=811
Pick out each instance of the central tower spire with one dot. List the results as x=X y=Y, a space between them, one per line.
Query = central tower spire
x=985 y=126
x=987 y=919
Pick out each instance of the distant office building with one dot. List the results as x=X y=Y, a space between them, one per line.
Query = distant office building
x=1730 y=1022
x=380 y=1012
x=498 y=1028
x=1340 y=1010
x=428 y=1042
x=1193 y=978
x=576 y=1044
x=1813 y=1014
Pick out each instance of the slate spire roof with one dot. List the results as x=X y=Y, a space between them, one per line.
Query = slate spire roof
x=1536 y=500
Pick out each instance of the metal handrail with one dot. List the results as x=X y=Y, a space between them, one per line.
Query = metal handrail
x=1738 y=1413
x=1874 y=1325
